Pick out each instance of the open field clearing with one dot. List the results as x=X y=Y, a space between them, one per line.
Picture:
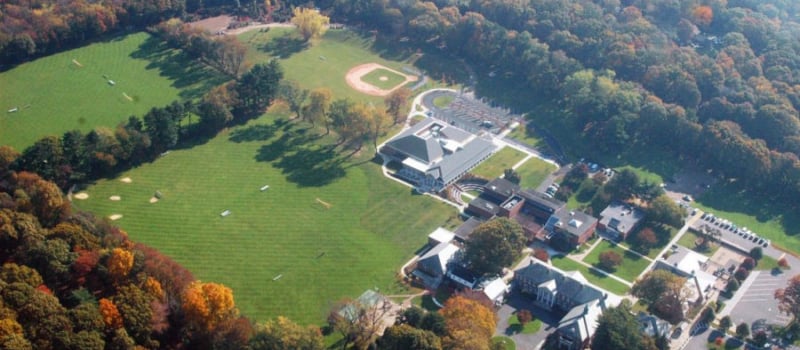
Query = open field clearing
x=100 y=84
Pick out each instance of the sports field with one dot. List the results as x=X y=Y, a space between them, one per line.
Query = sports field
x=100 y=84
x=323 y=64
x=322 y=231
x=384 y=79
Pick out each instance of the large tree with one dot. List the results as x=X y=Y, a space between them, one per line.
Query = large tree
x=494 y=245
x=259 y=86
x=402 y=337
x=294 y=95
x=660 y=290
x=470 y=324
x=617 y=328
x=310 y=23
x=664 y=210
x=283 y=334
x=395 y=102
x=319 y=107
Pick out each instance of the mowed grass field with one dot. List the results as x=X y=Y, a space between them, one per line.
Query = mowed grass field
x=55 y=95
x=391 y=79
x=323 y=63
x=372 y=227
x=533 y=172
x=501 y=160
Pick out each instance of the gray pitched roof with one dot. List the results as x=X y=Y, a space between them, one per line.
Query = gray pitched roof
x=436 y=259
x=575 y=291
x=502 y=187
x=459 y=162
x=425 y=150
x=620 y=216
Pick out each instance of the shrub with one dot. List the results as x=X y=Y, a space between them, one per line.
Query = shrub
x=609 y=260
x=783 y=263
x=741 y=274
x=541 y=254
x=756 y=253
x=748 y=264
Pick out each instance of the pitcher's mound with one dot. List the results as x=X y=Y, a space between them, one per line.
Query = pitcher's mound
x=126 y=180
x=114 y=198
x=383 y=78
x=153 y=199
x=115 y=217
x=81 y=196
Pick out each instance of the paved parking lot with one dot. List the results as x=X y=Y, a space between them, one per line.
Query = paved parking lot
x=741 y=240
x=757 y=300
x=469 y=113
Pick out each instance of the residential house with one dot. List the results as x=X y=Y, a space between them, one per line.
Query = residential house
x=652 y=326
x=619 y=219
x=435 y=154
x=567 y=292
x=576 y=226
x=432 y=266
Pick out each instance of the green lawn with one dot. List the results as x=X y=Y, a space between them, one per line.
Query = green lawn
x=443 y=100
x=596 y=278
x=533 y=172
x=323 y=64
x=766 y=217
x=367 y=227
x=688 y=240
x=55 y=95
x=668 y=232
x=767 y=263
x=494 y=166
x=644 y=174
x=508 y=343
x=632 y=264
x=530 y=328
x=392 y=79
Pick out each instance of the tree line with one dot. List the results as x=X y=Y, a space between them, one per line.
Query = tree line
x=720 y=77
x=76 y=157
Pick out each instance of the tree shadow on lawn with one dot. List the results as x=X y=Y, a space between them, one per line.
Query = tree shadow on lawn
x=259 y=132
x=284 y=46
x=189 y=75
x=302 y=162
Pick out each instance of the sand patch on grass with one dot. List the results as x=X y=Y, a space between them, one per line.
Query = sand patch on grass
x=126 y=180
x=114 y=198
x=81 y=195
x=115 y=217
x=153 y=199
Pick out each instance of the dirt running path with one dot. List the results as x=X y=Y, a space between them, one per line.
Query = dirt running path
x=241 y=30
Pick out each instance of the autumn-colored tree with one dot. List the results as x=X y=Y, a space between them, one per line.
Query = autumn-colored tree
x=378 y=123
x=789 y=298
x=295 y=96
x=783 y=263
x=703 y=15
x=319 y=106
x=661 y=291
x=7 y=156
x=111 y=316
x=470 y=325
x=310 y=22
x=541 y=254
x=646 y=238
x=609 y=260
x=206 y=304
x=153 y=287
x=11 y=273
x=283 y=334
x=45 y=197
x=120 y=263
x=395 y=101
x=524 y=316
x=494 y=245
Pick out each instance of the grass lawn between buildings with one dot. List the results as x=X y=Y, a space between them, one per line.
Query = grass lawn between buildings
x=507 y=343
x=592 y=276
x=533 y=172
x=530 y=328
x=632 y=264
x=688 y=240
x=72 y=89
x=501 y=160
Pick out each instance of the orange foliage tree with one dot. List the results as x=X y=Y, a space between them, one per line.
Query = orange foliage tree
x=703 y=15
x=120 y=263
x=470 y=325
x=207 y=304
x=111 y=316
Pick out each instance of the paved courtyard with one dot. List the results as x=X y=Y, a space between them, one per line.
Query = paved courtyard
x=516 y=301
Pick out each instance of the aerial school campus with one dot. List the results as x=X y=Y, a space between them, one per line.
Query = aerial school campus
x=296 y=224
